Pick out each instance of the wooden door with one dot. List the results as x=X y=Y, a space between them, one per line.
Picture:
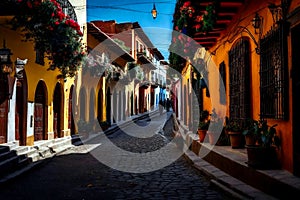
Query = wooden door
x=38 y=121
x=3 y=121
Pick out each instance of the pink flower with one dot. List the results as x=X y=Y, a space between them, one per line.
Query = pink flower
x=56 y=23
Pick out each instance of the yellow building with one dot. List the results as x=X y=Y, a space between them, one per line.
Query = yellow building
x=36 y=103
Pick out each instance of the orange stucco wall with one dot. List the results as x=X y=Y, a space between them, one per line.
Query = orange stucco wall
x=222 y=48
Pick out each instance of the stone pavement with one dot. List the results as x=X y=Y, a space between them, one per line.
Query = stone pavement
x=77 y=174
x=159 y=187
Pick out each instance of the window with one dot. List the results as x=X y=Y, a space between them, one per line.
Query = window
x=68 y=9
x=223 y=77
x=239 y=85
x=273 y=74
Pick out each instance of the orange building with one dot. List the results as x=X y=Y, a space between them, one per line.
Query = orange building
x=254 y=46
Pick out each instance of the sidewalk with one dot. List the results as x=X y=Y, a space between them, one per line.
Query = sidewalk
x=227 y=169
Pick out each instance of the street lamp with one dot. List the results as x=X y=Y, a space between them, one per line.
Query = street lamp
x=154 y=12
x=5 y=61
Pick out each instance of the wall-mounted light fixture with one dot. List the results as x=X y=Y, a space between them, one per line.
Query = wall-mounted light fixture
x=20 y=64
x=276 y=11
x=5 y=61
x=257 y=25
x=154 y=12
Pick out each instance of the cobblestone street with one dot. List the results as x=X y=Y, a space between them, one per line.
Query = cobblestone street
x=76 y=174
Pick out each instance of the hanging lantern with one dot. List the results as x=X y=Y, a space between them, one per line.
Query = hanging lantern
x=154 y=12
x=256 y=23
x=5 y=61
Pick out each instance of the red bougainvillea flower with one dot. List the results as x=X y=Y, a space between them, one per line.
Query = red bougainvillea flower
x=53 y=32
x=186 y=4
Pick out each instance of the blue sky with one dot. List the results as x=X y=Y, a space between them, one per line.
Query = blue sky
x=158 y=30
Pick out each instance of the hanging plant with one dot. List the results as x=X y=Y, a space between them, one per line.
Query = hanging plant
x=53 y=33
x=206 y=21
x=191 y=20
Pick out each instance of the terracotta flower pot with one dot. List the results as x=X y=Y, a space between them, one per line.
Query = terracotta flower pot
x=236 y=139
x=250 y=140
x=262 y=158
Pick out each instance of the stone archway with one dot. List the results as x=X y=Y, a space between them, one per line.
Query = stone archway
x=40 y=111
x=100 y=105
x=108 y=106
x=71 y=123
x=82 y=103
x=58 y=111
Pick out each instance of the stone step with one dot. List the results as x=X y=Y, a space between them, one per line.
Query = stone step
x=43 y=143
x=76 y=140
x=7 y=155
x=45 y=152
x=233 y=162
x=60 y=145
x=4 y=149
x=9 y=165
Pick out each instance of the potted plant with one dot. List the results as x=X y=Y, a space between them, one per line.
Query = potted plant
x=234 y=130
x=215 y=128
x=263 y=155
x=203 y=124
x=248 y=132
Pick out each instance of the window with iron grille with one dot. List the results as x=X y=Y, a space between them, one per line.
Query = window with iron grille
x=239 y=80
x=273 y=74
x=223 y=78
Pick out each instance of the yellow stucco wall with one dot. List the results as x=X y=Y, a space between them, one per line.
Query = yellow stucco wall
x=35 y=73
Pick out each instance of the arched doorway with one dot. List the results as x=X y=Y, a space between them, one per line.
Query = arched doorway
x=58 y=111
x=120 y=105
x=132 y=104
x=3 y=107
x=92 y=106
x=115 y=106
x=108 y=106
x=21 y=109
x=71 y=124
x=82 y=97
x=40 y=111
x=135 y=104
x=100 y=105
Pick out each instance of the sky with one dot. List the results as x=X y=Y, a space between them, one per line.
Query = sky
x=158 y=30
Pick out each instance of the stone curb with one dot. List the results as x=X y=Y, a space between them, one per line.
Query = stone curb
x=230 y=185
